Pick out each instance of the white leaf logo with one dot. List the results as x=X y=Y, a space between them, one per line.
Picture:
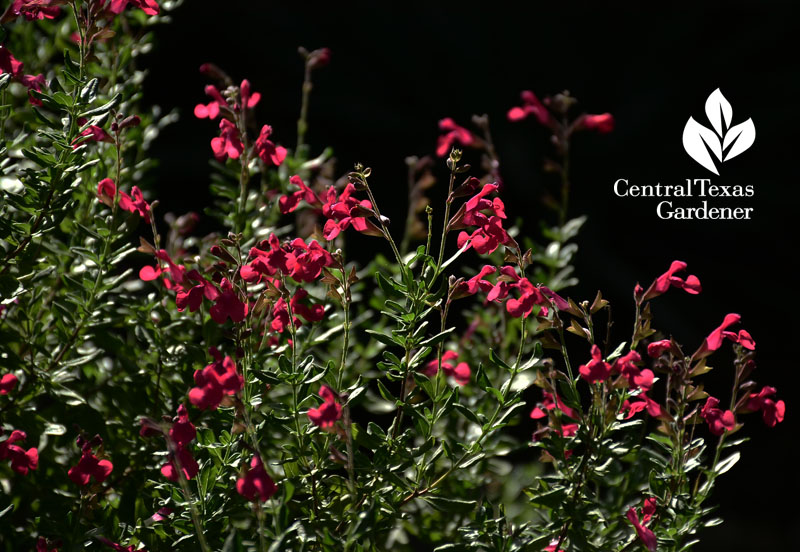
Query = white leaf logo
x=725 y=141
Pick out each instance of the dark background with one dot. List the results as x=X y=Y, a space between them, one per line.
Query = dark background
x=396 y=72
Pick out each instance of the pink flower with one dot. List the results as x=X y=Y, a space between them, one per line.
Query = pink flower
x=552 y=547
x=134 y=203
x=181 y=434
x=43 y=546
x=280 y=313
x=658 y=348
x=552 y=402
x=772 y=412
x=228 y=143
x=255 y=483
x=718 y=421
x=643 y=402
x=647 y=536
x=228 y=305
x=300 y=260
x=626 y=365
x=460 y=372
x=214 y=382
x=213 y=108
x=603 y=123
x=22 y=461
x=596 y=369
x=92 y=133
x=716 y=338
x=530 y=295
x=530 y=106
x=268 y=151
x=32 y=10
x=475 y=284
x=289 y=203
x=249 y=99
x=661 y=284
x=119 y=547
x=89 y=465
x=328 y=412
x=193 y=298
x=345 y=211
x=7 y=383
x=150 y=7
x=453 y=134
x=9 y=64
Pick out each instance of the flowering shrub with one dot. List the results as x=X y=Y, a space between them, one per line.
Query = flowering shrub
x=255 y=388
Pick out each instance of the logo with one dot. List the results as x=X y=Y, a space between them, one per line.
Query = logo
x=725 y=141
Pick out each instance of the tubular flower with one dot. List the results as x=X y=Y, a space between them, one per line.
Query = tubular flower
x=280 y=313
x=250 y=99
x=647 y=536
x=134 y=203
x=477 y=283
x=9 y=64
x=772 y=412
x=718 y=421
x=227 y=305
x=644 y=402
x=328 y=412
x=603 y=123
x=530 y=295
x=214 y=382
x=658 y=348
x=180 y=435
x=193 y=297
x=213 y=108
x=596 y=369
x=32 y=10
x=255 y=483
x=452 y=134
x=716 y=338
x=554 y=402
x=530 y=106
x=228 y=143
x=22 y=461
x=626 y=365
x=267 y=151
x=89 y=465
x=460 y=372
x=289 y=203
x=487 y=215
x=299 y=260
x=7 y=383
x=92 y=133
x=345 y=211
x=661 y=284
x=150 y=7
x=43 y=546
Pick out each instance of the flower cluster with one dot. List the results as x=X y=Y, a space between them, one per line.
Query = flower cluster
x=22 y=461
x=13 y=67
x=180 y=435
x=255 y=483
x=90 y=466
x=329 y=412
x=460 y=372
x=133 y=203
x=215 y=381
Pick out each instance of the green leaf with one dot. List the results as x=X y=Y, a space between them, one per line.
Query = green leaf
x=725 y=465
x=105 y=108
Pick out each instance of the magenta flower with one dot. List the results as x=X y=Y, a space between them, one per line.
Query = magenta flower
x=134 y=203
x=475 y=284
x=530 y=106
x=554 y=402
x=658 y=348
x=181 y=434
x=647 y=536
x=661 y=284
x=345 y=211
x=228 y=143
x=328 y=412
x=150 y=7
x=32 y=10
x=643 y=402
x=249 y=99
x=7 y=383
x=603 y=123
x=637 y=378
x=9 y=64
x=453 y=134
x=228 y=305
x=718 y=421
x=22 y=461
x=460 y=372
x=268 y=151
x=213 y=108
x=280 y=313
x=717 y=337
x=597 y=369
x=772 y=412
x=193 y=297
x=214 y=382
x=255 y=483
x=42 y=545
x=89 y=465
x=289 y=203
x=92 y=133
